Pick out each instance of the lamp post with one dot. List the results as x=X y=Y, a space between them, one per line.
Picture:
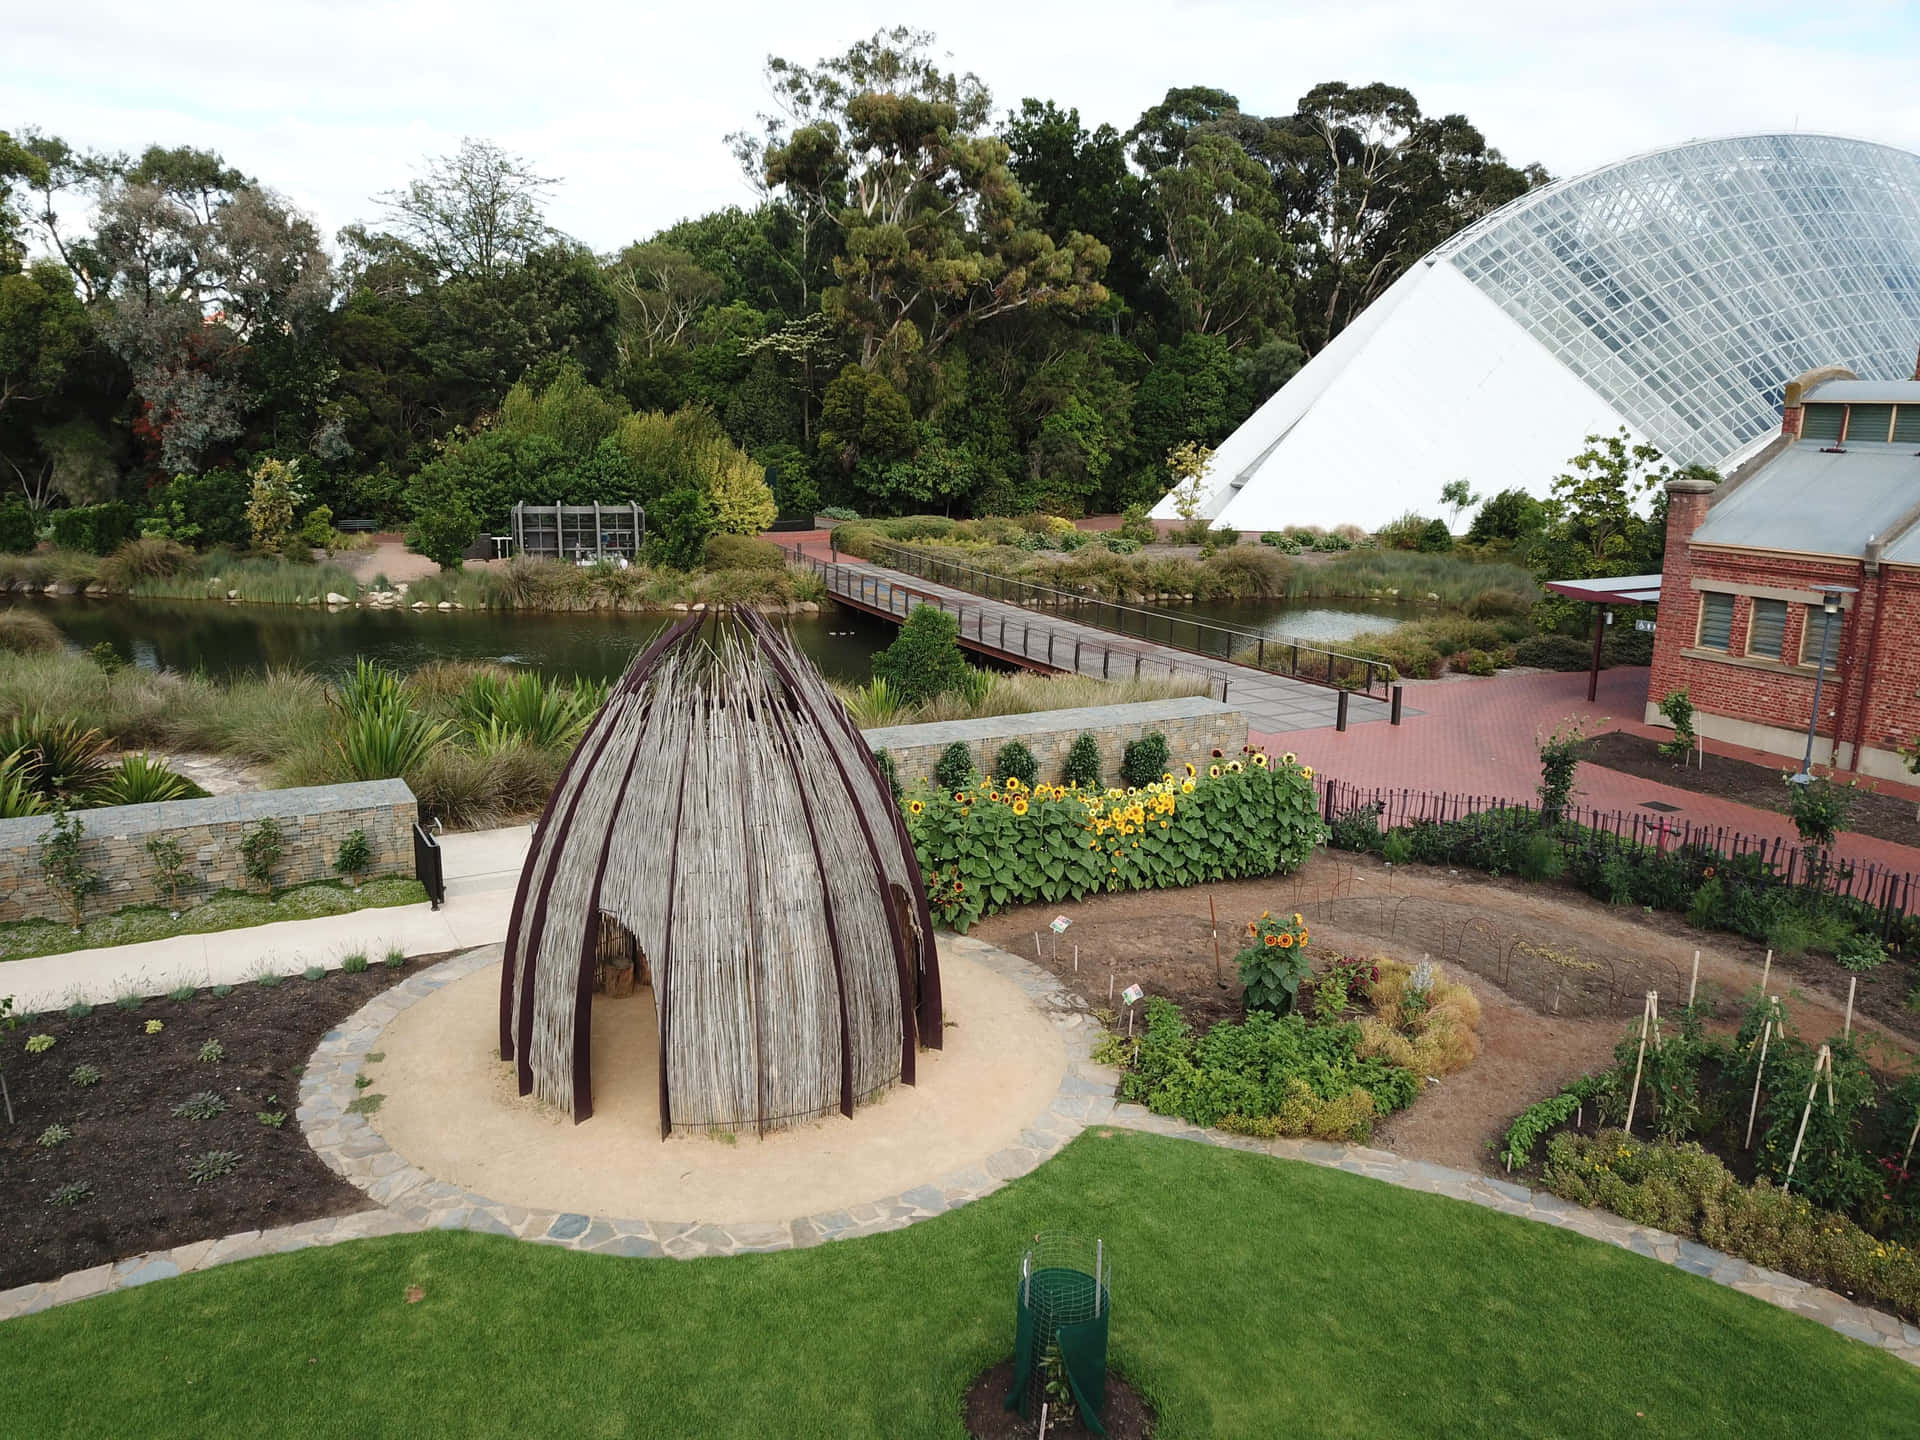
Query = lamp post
x=1830 y=604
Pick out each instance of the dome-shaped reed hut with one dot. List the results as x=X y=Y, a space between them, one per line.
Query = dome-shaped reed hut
x=724 y=829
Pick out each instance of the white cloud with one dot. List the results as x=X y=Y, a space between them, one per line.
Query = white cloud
x=331 y=103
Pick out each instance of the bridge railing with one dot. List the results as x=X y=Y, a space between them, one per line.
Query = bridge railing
x=1277 y=656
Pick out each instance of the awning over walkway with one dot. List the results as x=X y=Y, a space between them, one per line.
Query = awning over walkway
x=1612 y=590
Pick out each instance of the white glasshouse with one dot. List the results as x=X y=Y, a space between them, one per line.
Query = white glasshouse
x=1674 y=293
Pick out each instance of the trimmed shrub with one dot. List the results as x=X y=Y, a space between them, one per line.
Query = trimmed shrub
x=954 y=768
x=924 y=660
x=1553 y=652
x=98 y=529
x=1016 y=761
x=1083 y=764
x=1145 y=760
x=743 y=552
x=25 y=633
x=18 y=532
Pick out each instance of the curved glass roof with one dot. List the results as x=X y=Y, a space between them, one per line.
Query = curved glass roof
x=1687 y=286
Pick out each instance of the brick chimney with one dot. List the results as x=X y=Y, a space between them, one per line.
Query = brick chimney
x=1793 y=410
x=1687 y=500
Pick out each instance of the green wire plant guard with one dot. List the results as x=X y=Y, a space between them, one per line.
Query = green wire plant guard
x=1064 y=1301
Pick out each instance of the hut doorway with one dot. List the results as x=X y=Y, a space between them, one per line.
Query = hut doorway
x=619 y=963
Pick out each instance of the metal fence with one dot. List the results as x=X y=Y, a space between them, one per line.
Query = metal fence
x=1895 y=893
x=1312 y=663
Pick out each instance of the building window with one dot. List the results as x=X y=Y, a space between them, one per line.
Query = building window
x=1868 y=422
x=1822 y=422
x=1716 y=620
x=1816 y=625
x=1906 y=425
x=1767 y=629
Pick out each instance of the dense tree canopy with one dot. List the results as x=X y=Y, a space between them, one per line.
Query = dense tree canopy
x=931 y=304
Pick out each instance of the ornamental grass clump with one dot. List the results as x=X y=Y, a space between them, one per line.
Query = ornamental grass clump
x=1422 y=1022
x=987 y=845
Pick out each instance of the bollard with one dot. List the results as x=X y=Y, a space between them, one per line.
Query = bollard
x=1398 y=691
x=1340 y=713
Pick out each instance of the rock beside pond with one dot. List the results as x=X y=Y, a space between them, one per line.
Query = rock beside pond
x=334 y=597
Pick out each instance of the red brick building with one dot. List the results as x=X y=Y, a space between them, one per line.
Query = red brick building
x=1822 y=524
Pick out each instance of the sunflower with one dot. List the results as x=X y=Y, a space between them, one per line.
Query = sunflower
x=916 y=806
x=1251 y=927
x=1303 y=934
x=1233 y=767
x=1287 y=759
x=1296 y=918
x=1286 y=940
x=1213 y=772
x=1218 y=753
x=1186 y=787
x=1020 y=805
x=1191 y=772
x=959 y=797
x=1273 y=940
x=1306 y=772
x=1166 y=777
x=1260 y=759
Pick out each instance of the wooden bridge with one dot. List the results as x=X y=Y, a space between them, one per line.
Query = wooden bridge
x=1041 y=638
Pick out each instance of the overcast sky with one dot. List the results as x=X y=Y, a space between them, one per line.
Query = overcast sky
x=332 y=102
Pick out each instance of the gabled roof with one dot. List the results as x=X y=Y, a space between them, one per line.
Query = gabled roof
x=1812 y=500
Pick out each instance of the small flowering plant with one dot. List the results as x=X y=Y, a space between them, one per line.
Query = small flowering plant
x=1274 y=963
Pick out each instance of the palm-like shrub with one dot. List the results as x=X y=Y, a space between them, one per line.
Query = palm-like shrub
x=59 y=759
x=874 y=704
x=371 y=689
x=139 y=779
x=18 y=798
x=527 y=708
x=387 y=744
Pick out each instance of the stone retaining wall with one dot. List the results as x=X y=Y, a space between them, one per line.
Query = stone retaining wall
x=313 y=821
x=1194 y=727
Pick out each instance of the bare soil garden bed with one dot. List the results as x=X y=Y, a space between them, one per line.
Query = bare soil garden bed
x=1885 y=817
x=1520 y=947
x=1127 y=1416
x=134 y=1153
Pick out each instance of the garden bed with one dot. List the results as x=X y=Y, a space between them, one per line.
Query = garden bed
x=134 y=1152
x=1885 y=817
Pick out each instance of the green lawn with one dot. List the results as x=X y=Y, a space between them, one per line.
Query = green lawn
x=224 y=910
x=1252 y=1297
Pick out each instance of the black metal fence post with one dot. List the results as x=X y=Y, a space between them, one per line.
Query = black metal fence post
x=1397 y=690
x=1340 y=712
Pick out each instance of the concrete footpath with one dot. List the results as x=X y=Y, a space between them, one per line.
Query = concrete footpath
x=481 y=869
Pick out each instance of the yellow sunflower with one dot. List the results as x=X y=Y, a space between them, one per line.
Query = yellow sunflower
x=1273 y=940
x=1191 y=772
x=1306 y=772
x=1186 y=787
x=1286 y=940
x=1233 y=767
x=1020 y=805
x=1213 y=772
x=1287 y=759
x=1260 y=759
x=917 y=806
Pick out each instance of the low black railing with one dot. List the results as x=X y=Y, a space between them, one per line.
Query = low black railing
x=1276 y=656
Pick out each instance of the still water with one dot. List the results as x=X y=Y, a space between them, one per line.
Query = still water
x=222 y=640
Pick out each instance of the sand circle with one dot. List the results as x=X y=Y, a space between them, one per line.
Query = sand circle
x=451 y=1108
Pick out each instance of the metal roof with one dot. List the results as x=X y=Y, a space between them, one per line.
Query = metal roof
x=1865 y=392
x=1814 y=501
x=1615 y=590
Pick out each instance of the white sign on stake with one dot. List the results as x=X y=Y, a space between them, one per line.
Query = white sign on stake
x=1131 y=994
x=1060 y=924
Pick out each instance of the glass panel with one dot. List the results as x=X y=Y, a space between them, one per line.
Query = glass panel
x=1810 y=637
x=1716 y=620
x=1767 y=629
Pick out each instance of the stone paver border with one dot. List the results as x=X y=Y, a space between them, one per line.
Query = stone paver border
x=412 y=1201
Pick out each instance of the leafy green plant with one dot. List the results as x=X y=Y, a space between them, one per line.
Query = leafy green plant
x=1861 y=953
x=201 y=1105
x=1677 y=706
x=525 y=708
x=355 y=963
x=18 y=798
x=355 y=856
x=1274 y=963
x=260 y=849
x=1819 y=810
x=153 y=1027
x=1145 y=760
x=74 y=1192
x=53 y=1137
x=139 y=779
x=954 y=769
x=387 y=745
x=314 y=972
x=63 y=865
x=211 y=1165
x=1559 y=759
x=924 y=660
x=61 y=760
x=211 y=1052
x=85 y=1076
x=1016 y=761
x=181 y=992
x=169 y=868
x=39 y=1044
x=272 y=1119
x=1396 y=847
x=1083 y=763
x=394 y=958
x=78 y=1010
x=883 y=761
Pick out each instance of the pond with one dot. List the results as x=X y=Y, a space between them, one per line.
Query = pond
x=223 y=640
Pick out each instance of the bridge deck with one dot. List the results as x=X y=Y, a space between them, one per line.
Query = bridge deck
x=1040 y=639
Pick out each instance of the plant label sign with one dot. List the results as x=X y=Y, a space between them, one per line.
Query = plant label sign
x=1060 y=924
x=1131 y=994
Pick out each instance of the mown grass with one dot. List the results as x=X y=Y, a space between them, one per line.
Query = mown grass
x=222 y=910
x=1252 y=1297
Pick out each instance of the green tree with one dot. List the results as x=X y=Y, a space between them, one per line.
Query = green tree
x=274 y=500
x=476 y=212
x=924 y=660
x=444 y=522
x=1225 y=265
x=1457 y=495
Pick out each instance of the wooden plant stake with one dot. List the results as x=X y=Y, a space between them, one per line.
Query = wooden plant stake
x=1076 y=959
x=1765 y=971
x=1695 y=984
x=1766 y=1034
x=1910 y=1139
x=1847 y=1029
x=1646 y=1020
x=1213 y=923
x=1822 y=1061
x=1036 y=946
x=1043 y=1420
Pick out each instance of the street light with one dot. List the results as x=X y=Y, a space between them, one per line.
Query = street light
x=1830 y=603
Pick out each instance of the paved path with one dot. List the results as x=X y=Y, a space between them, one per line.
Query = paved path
x=481 y=871
x=1271 y=703
x=410 y=1201
x=1477 y=737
